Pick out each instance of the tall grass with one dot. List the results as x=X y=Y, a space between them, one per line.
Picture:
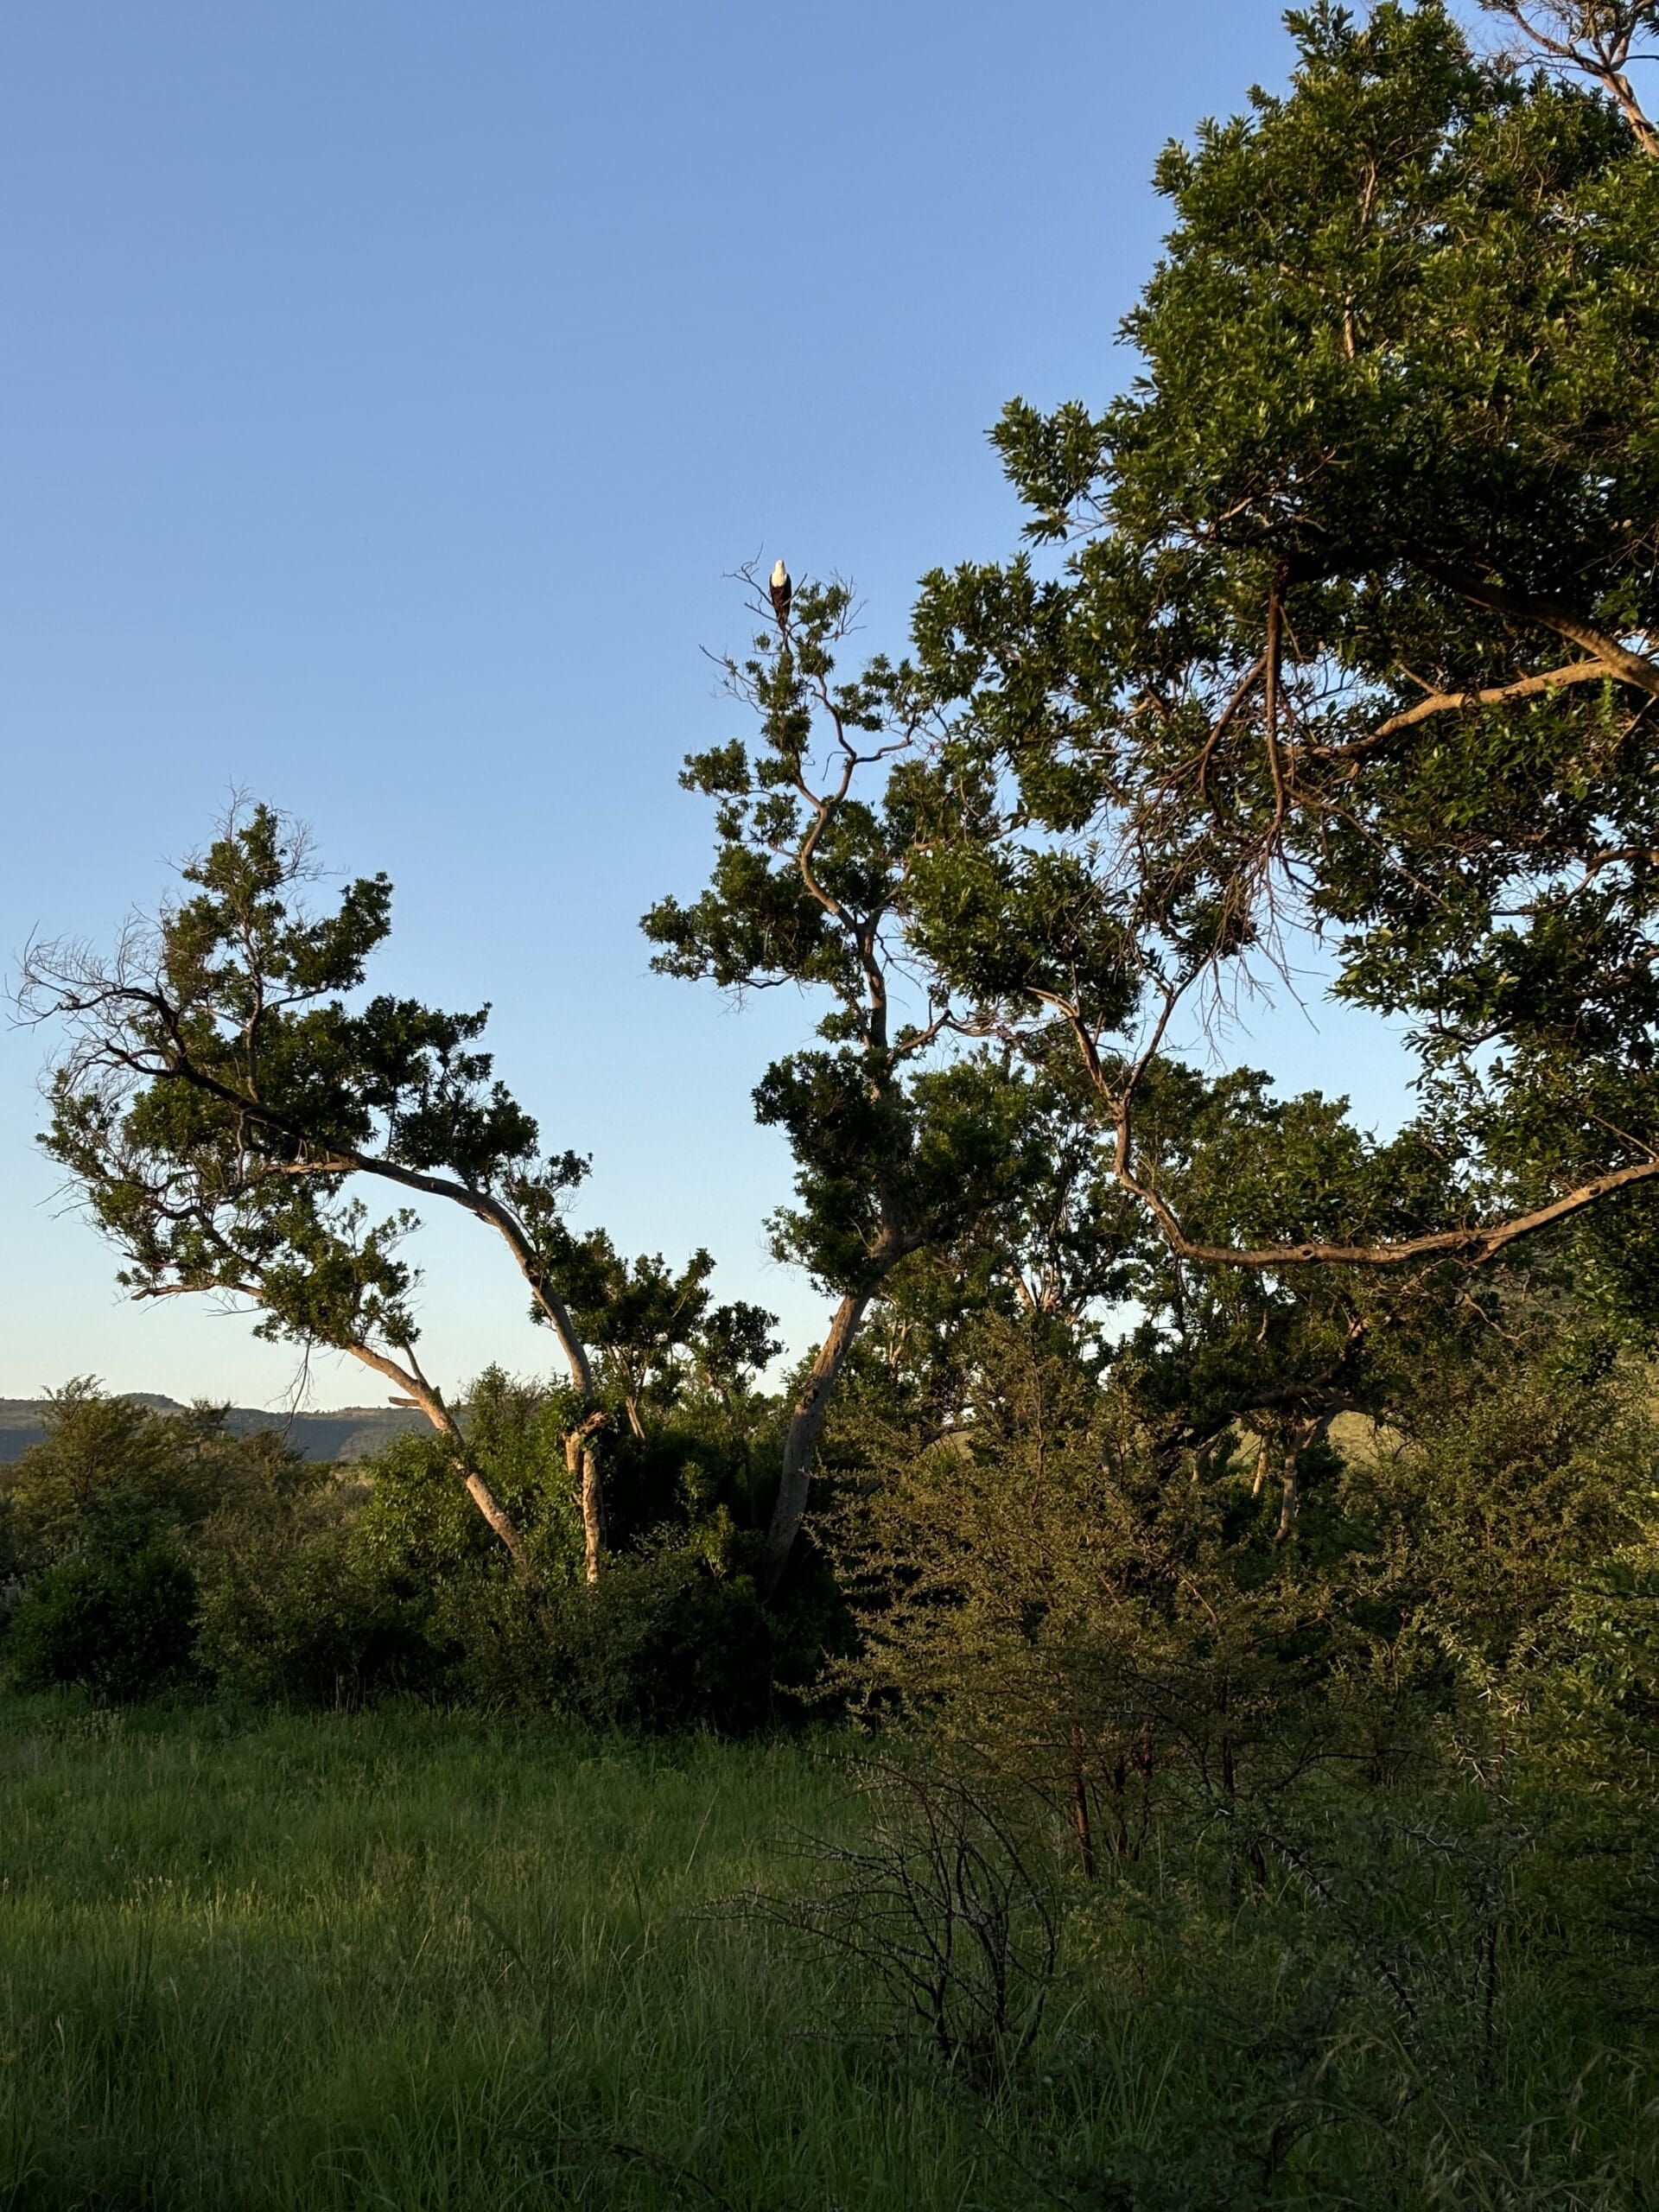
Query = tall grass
x=411 y=1960
x=397 y=1959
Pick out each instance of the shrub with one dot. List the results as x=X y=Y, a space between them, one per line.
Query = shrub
x=121 y=1625
x=947 y=1906
x=321 y=1623
x=113 y=1458
x=661 y=1643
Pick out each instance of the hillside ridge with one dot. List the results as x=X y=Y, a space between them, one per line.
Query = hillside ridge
x=332 y=1432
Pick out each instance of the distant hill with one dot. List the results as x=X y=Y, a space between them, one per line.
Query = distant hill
x=347 y=1433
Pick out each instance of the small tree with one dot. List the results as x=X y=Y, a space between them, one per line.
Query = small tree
x=224 y=1093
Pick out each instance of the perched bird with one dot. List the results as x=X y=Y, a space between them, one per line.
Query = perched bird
x=782 y=591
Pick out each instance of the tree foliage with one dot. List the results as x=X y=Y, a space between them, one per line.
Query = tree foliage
x=1352 y=634
x=226 y=1090
x=821 y=821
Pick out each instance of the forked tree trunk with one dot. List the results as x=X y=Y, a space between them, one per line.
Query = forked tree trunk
x=800 y=1439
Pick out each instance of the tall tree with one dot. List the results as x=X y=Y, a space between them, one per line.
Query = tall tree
x=1353 y=630
x=820 y=824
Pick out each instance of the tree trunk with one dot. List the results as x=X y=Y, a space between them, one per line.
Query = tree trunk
x=497 y=1514
x=800 y=1443
x=1083 y=1828
x=1298 y=1436
x=592 y=1513
x=586 y=1466
x=582 y=1463
x=420 y=1393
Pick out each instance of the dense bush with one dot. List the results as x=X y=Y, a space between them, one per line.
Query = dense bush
x=122 y=1626
x=106 y=1528
x=1132 y=1629
x=317 y=1622
x=663 y=1643
x=146 y=1549
x=103 y=1456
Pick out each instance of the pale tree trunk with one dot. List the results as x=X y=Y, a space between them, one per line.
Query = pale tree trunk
x=1299 y=1434
x=410 y=1380
x=801 y=1441
x=581 y=1463
x=497 y=1514
x=1262 y=1458
x=592 y=1513
x=581 y=1460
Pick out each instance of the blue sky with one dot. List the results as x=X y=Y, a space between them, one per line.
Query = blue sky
x=390 y=389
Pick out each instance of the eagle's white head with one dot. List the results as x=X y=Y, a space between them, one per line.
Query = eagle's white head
x=779 y=576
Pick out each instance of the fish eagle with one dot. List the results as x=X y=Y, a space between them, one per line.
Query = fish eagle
x=782 y=591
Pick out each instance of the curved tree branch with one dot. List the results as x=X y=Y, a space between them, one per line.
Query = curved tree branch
x=1549 y=614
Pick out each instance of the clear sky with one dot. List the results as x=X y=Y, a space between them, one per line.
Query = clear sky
x=390 y=388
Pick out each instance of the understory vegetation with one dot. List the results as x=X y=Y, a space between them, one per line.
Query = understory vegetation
x=402 y=1958
x=1118 y=1847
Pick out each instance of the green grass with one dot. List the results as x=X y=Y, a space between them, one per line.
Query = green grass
x=406 y=1961
x=414 y=1960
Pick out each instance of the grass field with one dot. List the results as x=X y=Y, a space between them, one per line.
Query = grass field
x=413 y=1960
